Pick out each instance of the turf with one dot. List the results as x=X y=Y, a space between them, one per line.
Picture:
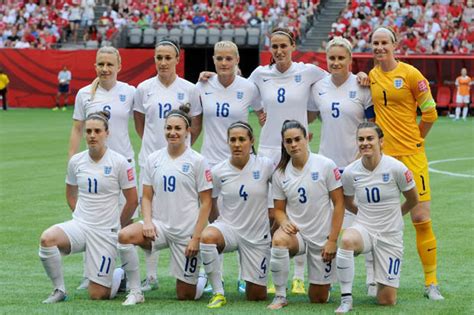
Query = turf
x=33 y=158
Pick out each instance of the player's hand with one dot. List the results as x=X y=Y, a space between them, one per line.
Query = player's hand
x=363 y=79
x=149 y=230
x=204 y=76
x=329 y=251
x=289 y=227
x=193 y=248
x=262 y=118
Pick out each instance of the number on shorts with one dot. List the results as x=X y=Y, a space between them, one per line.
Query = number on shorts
x=328 y=266
x=169 y=183
x=242 y=193
x=423 y=182
x=281 y=95
x=92 y=188
x=102 y=264
x=164 y=109
x=191 y=264
x=373 y=195
x=302 y=193
x=263 y=265
x=393 y=266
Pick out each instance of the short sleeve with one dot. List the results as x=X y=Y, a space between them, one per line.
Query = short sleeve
x=255 y=101
x=316 y=73
x=148 y=171
x=277 y=188
x=333 y=176
x=312 y=104
x=195 y=100
x=203 y=175
x=404 y=177
x=126 y=175
x=138 y=100
x=420 y=88
x=216 y=189
x=79 y=108
x=71 y=178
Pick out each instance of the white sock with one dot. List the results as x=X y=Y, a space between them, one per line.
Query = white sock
x=345 y=269
x=280 y=267
x=51 y=259
x=202 y=281
x=457 y=112
x=369 y=268
x=211 y=262
x=151 y=262
x=464 y=111
x=221 y=261
x=84 y=265
x=299 y=267
x=130 y=265
x=116 y=280
x=238 y=264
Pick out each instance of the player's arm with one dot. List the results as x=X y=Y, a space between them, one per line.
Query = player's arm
x=337 y=198
x=71 y=196
x=196 y=127
x=205 y=197
x=363 y=79
x=262 y=117
x=214 y=211
x=75 y=139
x=131 y=203
x=312 y=116
x=411 y=201
x=282 y=219
x=148 y=226
x=350 y=205
x=204 y=76
x=139 y=119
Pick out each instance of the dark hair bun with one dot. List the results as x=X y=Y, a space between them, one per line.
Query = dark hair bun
x=106 y=114
x=185 y=108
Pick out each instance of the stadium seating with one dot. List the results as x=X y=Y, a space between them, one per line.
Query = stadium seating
x=135 y=36
x=253 y=36
x=175 y=33
x=214 y=36
x=161 y=33
x=227 y=34
x=240 y=36
x=149 y=35
x=201 y=36
x=187 y=37
x=443 y=97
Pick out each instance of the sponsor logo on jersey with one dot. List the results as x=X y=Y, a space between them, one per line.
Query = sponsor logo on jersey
x=122 y=97
x=398 y=83
x=180 y=96
x=422 y=86
x=337 y=174
x=208 y=175
x=240 y=95
x=385 y=177
x=186 y=167
x=298 y=78
x=352 y=94
x=408 y=176
x=130 y=175
x=256 y=175
x=107 y=170
x=314 y=176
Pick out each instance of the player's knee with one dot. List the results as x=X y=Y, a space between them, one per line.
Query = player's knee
x=125 y=237
x=281 y=240
x=184 y=295
x=47 y=239
x=319 y=299
x=387 y=300
x=348 y=242
x=99 y=295
x=256 y=293
x=208 y=236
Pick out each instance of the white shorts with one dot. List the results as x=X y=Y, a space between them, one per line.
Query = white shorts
x=388 y=255
x=122 y=200
x=100 y=247
x=319 y=272
x=181 y=267
x=254 y=258
x=462 y=99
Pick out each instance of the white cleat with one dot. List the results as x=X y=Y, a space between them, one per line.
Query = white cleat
x=372 y=290
x=149 y=284
x=84 y=284
x=345 y=307
x=134 y=298
x=432 y=292
x=55 y=297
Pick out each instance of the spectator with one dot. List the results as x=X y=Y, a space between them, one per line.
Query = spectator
x=4 y=81
x=75 y=16
x=64 y=79
x=88 y=14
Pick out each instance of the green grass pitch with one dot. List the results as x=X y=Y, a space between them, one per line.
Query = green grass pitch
x=33 y=158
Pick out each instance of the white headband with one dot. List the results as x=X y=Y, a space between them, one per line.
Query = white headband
x=179 y=115
x=167 y=42
x=283 y=33
x=387 y=31
x=237 y=124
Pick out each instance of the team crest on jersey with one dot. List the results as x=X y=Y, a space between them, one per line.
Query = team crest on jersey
x=314 y=176
x=256 y=175
x=180 y=96
x=107 y=170
x=385 y=177
x=298 y=78
x=186 y=167
x=240 y=95
x=122 y=97
x=352 y=94
x=398 y=83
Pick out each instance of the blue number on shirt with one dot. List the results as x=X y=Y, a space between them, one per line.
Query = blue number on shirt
x=108 y=109
x=373 y=195
x=263 y=265
x=242 y=193
x=191 y=264
x=281 y=95
x=92 y=188
x=222 y=110
x=163 y=109
x=328 y=266
x=335 y=110
x=393 y=266
x=169 y=183
x=102 y=264
x=302 y=193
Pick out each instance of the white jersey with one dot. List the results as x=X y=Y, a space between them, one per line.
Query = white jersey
x=244 y=197
x=176 y=185
x=341 y=109
x=221 y=107
x=285 y=96
x=308 y=203
x=99 y=186
x=155 y=101
x=378 y=193
x=119 y=102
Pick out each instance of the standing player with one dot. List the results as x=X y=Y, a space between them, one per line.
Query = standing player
x=107 y=94
x=242 y=182
x=375 y=181
x=4 y=81
x=342 y=104
x=463 y=84
x=94 y=181
x=398 y=89
x=155 y=98
x=309 y=208
x=64 y=80
x=176 y=203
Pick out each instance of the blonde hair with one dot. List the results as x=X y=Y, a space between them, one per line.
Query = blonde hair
x=339 y=41
x=104 y=50
x=226 y=44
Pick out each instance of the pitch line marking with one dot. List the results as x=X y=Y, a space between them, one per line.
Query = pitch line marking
x=450 y=173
